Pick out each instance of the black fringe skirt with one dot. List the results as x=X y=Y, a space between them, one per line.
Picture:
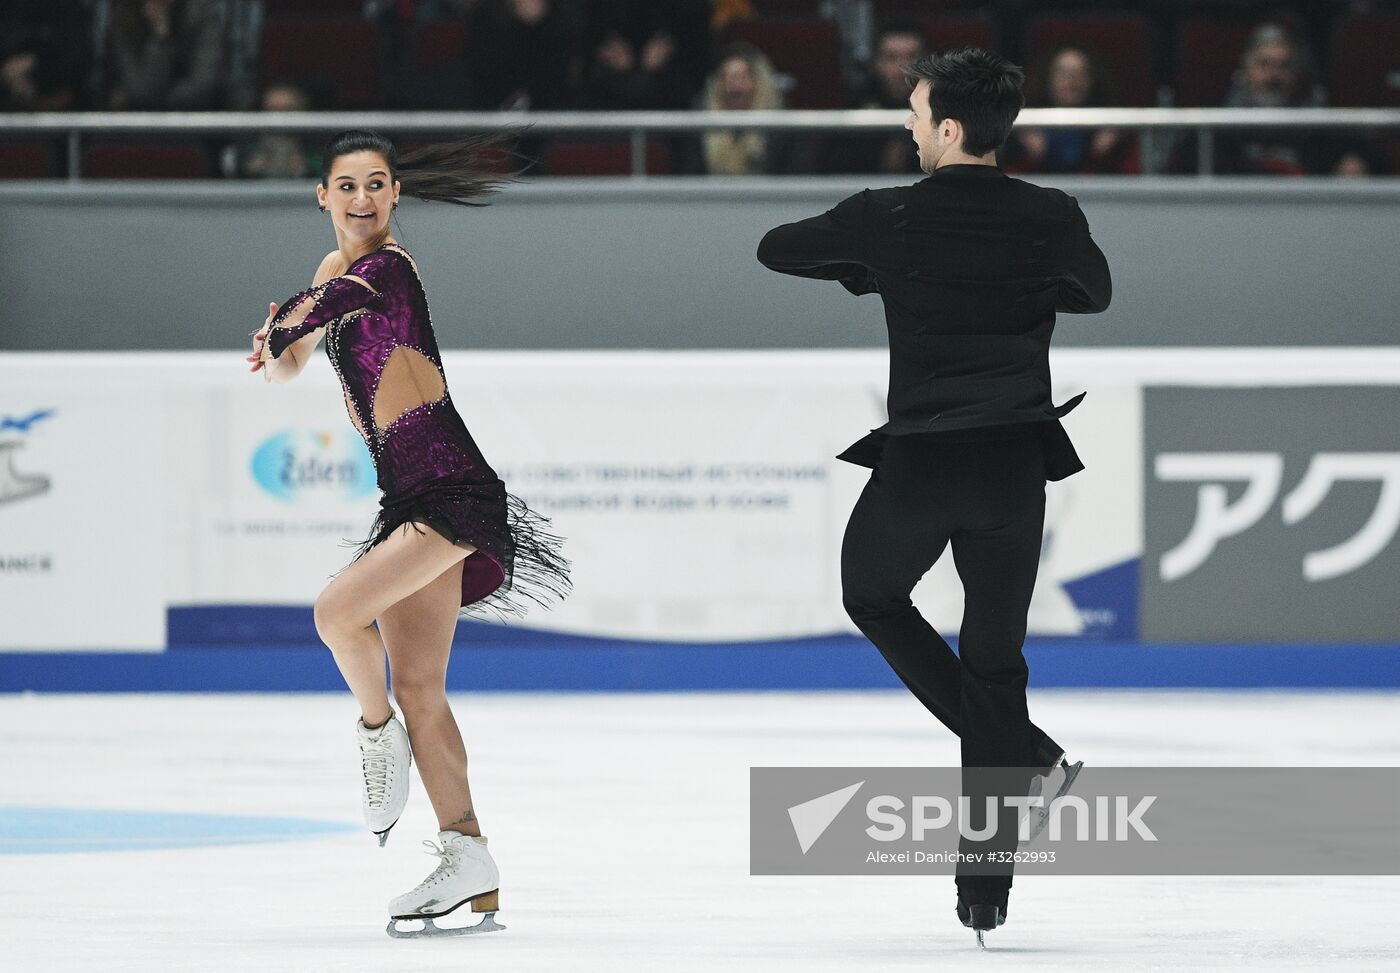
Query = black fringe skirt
x=517 y=562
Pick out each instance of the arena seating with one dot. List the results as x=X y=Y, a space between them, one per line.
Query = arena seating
x=145 y=160
x=1207 y=54
x=437 y=41
x=807 y=50
x=1184 y=56
x=1122 y=41
x=304 y=7
x=1366 y=62
x=953 y=31
x=26 y=160
x=603 y=159
x=341 y=53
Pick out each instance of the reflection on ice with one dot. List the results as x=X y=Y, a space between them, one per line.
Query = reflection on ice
x=620 y=826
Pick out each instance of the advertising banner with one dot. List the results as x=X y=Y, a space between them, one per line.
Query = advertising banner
x=699 y=495
x=1272 y=514
x=82 y=513
x=279 y=490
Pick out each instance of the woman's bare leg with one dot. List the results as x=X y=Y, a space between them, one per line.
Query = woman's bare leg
x=391 y=571
x=418 y=633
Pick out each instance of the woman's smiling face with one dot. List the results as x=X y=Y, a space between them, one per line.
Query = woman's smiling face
x=360 y=195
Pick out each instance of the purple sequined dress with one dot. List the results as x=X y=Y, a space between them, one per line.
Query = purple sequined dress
x=380 y=339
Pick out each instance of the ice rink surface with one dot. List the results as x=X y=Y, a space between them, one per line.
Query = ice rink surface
x=620 y=823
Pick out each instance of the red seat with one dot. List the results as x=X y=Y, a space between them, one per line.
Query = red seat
x=1366 y=62
x=913 y=10
x=313 y=7
x=26 y=160
x=787 y=8
x=342 y=54
x=1123 y=42
x=952 y=33
x=1208 y=51
x=131 y=160
x=437 y=41
x=807 y=50
x=602 y=159
x=1392 y=155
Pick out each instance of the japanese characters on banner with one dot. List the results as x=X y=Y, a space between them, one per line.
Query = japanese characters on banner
x=1275 y=514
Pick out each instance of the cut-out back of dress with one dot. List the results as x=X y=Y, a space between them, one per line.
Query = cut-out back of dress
x=408 y=380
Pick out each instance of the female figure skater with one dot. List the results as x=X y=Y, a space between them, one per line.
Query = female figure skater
x=448 y=535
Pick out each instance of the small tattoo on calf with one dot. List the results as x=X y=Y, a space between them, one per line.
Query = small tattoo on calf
x=467 y=818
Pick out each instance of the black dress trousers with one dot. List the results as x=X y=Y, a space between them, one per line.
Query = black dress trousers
x=982 y=492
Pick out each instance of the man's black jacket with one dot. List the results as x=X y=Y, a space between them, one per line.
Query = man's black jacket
x=972 y=266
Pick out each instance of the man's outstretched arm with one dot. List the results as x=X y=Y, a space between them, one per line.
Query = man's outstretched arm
x=827 y=247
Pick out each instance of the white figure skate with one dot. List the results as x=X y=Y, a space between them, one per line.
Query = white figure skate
x=385 y=759
x=466 y=873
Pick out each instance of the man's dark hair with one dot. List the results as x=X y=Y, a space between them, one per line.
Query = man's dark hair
x=980 y=89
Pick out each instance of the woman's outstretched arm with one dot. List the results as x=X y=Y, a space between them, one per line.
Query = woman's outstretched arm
x=285 y=359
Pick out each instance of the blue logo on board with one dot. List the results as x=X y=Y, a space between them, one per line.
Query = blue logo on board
x=25 y=422
x=295 y=463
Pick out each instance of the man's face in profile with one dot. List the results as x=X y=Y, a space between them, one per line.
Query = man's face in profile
x=921 y=125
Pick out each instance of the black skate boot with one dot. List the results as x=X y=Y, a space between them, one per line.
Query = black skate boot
x=980 y=912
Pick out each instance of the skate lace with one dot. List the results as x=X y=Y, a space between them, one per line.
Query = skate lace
x=449 y=857
x=375 y=762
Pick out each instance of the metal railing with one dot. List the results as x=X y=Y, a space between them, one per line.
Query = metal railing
x=1153 y=123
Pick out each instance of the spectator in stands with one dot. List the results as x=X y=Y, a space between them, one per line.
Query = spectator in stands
x=743 y=80
x=645 y=54
x=1071 y=77
x=1276 y=72
x=165 y=55
x=44 y=55
x=279 y=155
x=896 y=46
x=521 y=54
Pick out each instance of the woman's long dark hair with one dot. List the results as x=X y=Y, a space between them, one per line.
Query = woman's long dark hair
x=460 y=172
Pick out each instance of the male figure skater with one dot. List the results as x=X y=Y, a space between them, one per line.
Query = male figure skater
x=972 y=266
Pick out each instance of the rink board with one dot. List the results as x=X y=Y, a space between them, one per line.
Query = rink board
x=180 y=515
x=836 y=663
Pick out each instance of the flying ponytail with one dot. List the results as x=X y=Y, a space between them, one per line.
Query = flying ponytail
x=461 y=172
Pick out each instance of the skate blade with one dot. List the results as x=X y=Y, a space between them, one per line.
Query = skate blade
x=981 y=944
x=1040 y=816
x=383 y=836
x=431 y=930
x=1071 y=772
